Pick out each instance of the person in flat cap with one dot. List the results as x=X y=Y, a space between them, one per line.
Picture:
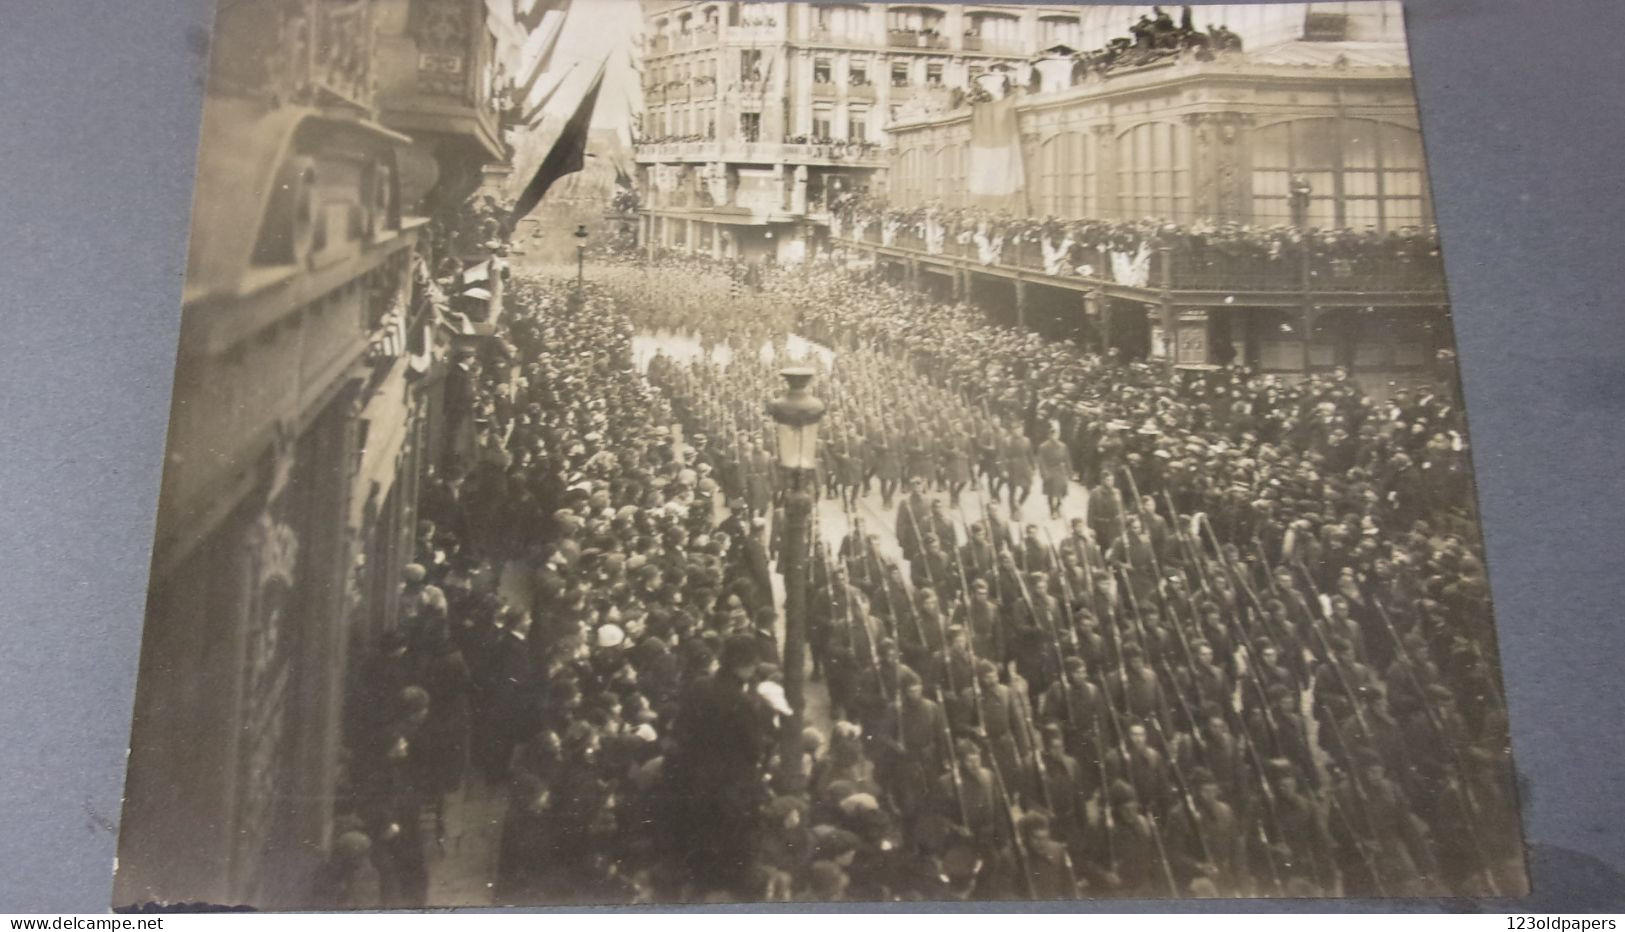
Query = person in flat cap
x=914 y=733
x=719 y=749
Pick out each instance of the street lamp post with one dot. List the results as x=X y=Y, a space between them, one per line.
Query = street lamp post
x=581 y=253
x=797 y=413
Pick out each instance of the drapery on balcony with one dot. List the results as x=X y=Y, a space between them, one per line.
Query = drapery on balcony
x=912 y=39
x=1200 y=268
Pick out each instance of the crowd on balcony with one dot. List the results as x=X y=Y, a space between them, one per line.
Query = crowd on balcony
x=667 y=138
x=1200 y=253
x=1156 y=37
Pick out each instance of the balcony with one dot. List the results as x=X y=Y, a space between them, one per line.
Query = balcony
x=659 y=45
x=828 y=37
x=430 y=80
x=698 y=39
x=860 y=92
x=654 y=95
x=871 y=156
x=912 y=39
x=995 y=46
x=1197 y=269
x=825 y=89
x=761 y=32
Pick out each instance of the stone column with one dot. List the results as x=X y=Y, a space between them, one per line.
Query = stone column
x=1221 y=175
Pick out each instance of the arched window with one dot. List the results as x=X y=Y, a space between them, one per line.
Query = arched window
x=992 y=32
x=1060 y=30
x=841 y=21
x=910 y=187
x=1067 y=182
x=1153 y=172
x=1361 y=173
x=948 y=174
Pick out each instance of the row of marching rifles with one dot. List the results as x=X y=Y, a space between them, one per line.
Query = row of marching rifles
x=1138 y=709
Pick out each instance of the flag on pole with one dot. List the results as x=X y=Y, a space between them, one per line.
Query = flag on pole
x=536 y=56
x=995 y=178
x=568 y=154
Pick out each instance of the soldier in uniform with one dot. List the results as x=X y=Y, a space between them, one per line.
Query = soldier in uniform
x=979 y=615
x=1055 y=471
x=1016 y=452
x=1105 y=510
x=913 y=517
x=988 y=710
x=914 y=735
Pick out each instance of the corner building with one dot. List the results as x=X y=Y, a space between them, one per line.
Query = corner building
x=758 y=115
x=312 y=356
x=1321 y=92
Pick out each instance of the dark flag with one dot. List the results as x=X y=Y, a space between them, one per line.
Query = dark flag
x=568 y=155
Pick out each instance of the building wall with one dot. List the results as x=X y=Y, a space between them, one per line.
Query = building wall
x=297 y=423
x=1200 y=141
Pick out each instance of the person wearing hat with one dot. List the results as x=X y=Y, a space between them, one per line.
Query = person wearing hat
x=969 y=798
x=913 y=517
x=980 y=615
x=348 y=879
x=1041 y=870
x=1142 y=766
x=988 y=709
x=1105 y=509
x=913 y=730
x=1204 y=835
x=1016 y=455
x=714 y=768
x=1136 y=866
x=1054 y=471
x=1074 y=706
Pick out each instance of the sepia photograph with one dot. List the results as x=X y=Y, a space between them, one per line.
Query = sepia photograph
x=696 y=452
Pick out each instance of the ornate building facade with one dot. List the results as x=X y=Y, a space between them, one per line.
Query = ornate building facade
x=758 y=115
x=1214 y=145
x=312 y=345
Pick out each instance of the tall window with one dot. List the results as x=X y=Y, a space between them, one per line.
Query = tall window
x=750 y=65
x=899 y=74
x=857 y=123
x=949 y=175
x=1066 y=166
x=933 y=74
x=1060 y=30
x=821 y=122
x=821 y=71
x=841 y=20
x=750 y=127
x=1361 y=173
x=1153 y=175
x=857 y=74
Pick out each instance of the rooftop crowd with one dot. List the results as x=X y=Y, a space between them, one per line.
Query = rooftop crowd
x=1260 y=664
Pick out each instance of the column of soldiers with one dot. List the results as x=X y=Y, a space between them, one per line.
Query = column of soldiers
x=1259 y=664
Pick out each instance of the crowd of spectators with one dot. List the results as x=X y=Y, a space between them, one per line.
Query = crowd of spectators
x=1203 y=254
x=1332 y=590
x=1294 y=694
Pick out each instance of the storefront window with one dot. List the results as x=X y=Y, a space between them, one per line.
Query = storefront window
x=1361 y=173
